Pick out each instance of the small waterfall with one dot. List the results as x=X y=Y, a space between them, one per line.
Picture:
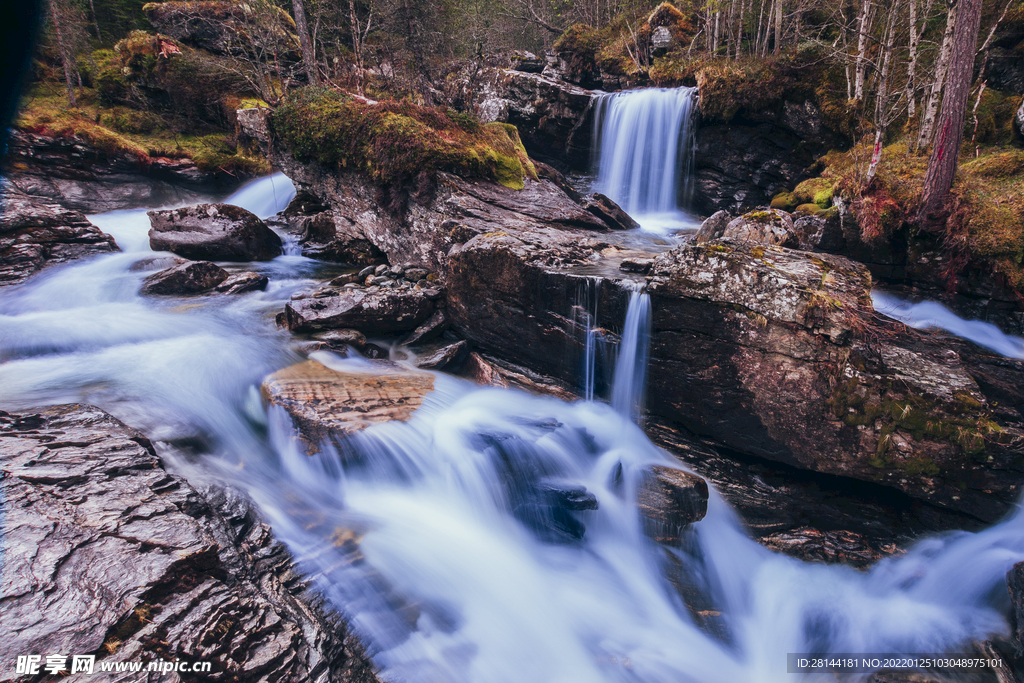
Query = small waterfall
x=631 y=366
x=264 y=196
x=643 y=145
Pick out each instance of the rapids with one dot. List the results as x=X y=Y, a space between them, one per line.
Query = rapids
x=412 y=536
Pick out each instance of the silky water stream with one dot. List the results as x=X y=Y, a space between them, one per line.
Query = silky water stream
x=415 y=535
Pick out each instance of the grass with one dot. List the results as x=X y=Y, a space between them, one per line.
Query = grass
x=396 y=142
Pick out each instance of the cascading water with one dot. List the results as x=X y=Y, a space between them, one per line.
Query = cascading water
x=643 y=144
x=442 y=539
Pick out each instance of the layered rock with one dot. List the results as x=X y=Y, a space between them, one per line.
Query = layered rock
x=82 y=176
x=669 y=500
x=191 y=277
x=218 y=232
x=375 y=310
x=324 y=402
x=35 y=233
x=108 y=554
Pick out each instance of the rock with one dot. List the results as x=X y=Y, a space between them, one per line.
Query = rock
x=1015 y=585
x=415 y=274
x=812 y=378
x=1018 y=119
x=379 y=312
x=636 y=265
x=322 y=238
x=107 y=553
x=713 y=227
x=830 y=547
x=75 y=173
x=1005 y=71
x=35 y=233
x=818 y=233
x=193 y=277
x=669 y=500
x=432 y=328
x=661 y=41
x=553 y=117
x=548 y=509
x=239 y=283
x=742 y=164
x=218 y=232
x=342 y=338
x=766 y=226
x=448 y=357
x=610 y=212
x=215 y=26
x=528 y=62
x=324 y=403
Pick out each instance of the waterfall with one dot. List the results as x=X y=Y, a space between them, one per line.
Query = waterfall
x=643 y=146
x=631 y=366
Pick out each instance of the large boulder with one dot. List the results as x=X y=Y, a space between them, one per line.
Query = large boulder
x=35 y=232
x=217 y=26
x=215 y=232
x=669 y=500
x=766 y=226
x=324 y=403
x=105 y=552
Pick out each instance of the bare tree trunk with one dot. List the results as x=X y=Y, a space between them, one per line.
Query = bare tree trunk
x=882 y=114
x=863 y=29
x=761 y=32
x=357 y=45
x=945 y=153
x=96 y=21
x=65 y=53
x=299 y=10
x=941 y=70
x=778 y=27
x=912 y=57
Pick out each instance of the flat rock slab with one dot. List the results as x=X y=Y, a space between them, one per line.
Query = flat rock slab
x=191 y=277
x=106 y=553
x=213 y=232
x=325 y=402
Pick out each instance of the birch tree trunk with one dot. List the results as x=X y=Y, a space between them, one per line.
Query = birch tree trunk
x=946 y=151
x=309 y=65
x=941 y=69
x=778 y=27
x=863 y=29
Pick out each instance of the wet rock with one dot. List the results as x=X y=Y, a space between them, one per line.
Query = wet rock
x=322 y=238
x=325 y=402
x=239 y=283
x=107 y=553
x=610 y=212
x=830 y=547
x=661 y=41
x=371 y=312
x=1015 y=585
x=35 y=233
x=75 y=173
x=636 y=265
x=448 y=357
x=218 y=232
x=193 y=277
x=713 y=227
x=669 y=500
x=764 y=226
x=342 y=338
x=432 y=328
x=548 y=509
x=1018 y=119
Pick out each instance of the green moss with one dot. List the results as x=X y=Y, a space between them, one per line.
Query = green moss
x=808 y=209
x=815 y=191
x=784 y=201
x=395 y=142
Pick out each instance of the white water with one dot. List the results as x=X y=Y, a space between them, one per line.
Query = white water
x=450 y=576
x=928 y=314
x=643 y=141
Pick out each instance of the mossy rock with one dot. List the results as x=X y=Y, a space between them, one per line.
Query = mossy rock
x=809 y=210
x=395 y=142
x=784 y=201
x=815 y=191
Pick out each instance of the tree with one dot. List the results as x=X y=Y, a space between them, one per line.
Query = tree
x=57 y=21
x=299 y=11
x=950 y=133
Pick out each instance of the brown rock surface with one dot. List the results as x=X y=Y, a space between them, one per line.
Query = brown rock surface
x=325 y=402
x=216 y=232
x=669 y=500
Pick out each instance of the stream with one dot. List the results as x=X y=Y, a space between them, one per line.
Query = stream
x=414 y=538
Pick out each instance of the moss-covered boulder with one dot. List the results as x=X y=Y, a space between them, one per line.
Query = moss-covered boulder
x=395 y=142
x=228 y=28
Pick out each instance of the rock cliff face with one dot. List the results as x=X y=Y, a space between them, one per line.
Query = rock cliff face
x=35 y=233
x=106 y=553
x=80 y=176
